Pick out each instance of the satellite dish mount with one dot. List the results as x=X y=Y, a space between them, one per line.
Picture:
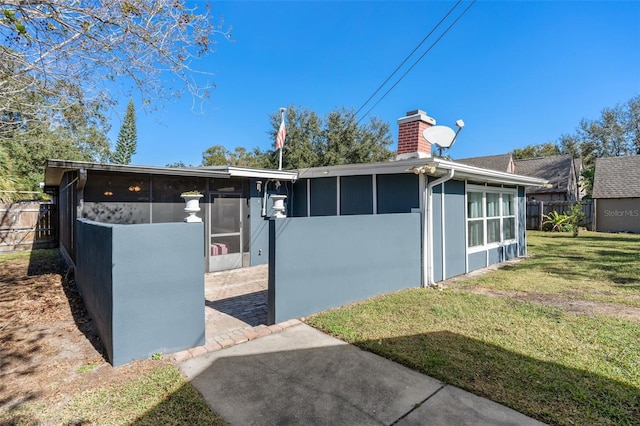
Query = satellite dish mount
x=442 y=136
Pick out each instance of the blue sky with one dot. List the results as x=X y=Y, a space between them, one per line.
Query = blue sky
x=518 y=73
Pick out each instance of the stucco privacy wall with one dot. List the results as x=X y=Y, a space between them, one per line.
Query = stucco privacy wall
x=317 y=263
x=142 y=285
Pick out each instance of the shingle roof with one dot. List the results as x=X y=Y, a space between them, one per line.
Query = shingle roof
x=617 y=177
x=556 y=169
x=492 y=162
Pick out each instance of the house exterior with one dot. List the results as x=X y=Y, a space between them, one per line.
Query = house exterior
x=469 y=217
x=236 y=224
x=616 y=191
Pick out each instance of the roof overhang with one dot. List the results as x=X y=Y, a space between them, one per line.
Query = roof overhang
x=55 y=169
x=432 y=166
x=285 y=175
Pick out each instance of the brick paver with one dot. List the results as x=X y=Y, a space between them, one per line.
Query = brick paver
x=235 y=310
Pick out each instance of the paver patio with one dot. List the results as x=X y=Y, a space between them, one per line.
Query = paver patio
x=235 y=303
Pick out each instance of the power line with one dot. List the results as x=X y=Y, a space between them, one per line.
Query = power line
x=416 y=62
x=407 y=58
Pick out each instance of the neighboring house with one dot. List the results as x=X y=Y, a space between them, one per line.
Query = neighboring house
x=616 y=191
x=561 y=171
x=470 y=217
x=501 y=162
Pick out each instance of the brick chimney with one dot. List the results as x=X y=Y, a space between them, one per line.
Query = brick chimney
x=411 y=143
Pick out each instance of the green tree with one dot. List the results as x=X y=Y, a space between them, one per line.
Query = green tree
x=534 y=151
x=127 y=138
x=337 y=139
x=615 y=133
x=215 y=156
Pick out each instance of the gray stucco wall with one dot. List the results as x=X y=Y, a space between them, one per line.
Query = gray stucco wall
x=143 y=286
x=318 y=263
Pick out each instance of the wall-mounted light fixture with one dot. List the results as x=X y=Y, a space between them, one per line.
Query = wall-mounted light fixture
x=107 y=193
x=134 y=188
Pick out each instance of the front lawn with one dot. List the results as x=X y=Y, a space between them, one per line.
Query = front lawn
x=596 y=267
x=543 y=360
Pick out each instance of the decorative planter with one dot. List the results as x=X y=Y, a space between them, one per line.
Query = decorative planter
x=192 y=207
x=278 y=206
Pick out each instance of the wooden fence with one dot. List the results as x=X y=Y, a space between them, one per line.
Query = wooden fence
x=27 y=225
x=536 y=210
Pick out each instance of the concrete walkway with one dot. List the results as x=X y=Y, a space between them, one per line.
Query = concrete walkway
x=303 y=376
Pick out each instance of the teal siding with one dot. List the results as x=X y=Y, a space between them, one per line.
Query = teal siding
x=356 y=195
x=477 y=260
x=397 y=193
x=323 y=196
x=298 y=203
x=436 y=214
x=455 y=242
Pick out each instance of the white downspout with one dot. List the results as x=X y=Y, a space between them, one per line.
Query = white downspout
x=264 y=198
x=428 y=279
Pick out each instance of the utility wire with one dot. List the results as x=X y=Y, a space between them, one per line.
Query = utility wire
x=416 y=62
x=407 y=58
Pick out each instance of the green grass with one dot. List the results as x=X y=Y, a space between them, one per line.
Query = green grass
x=27 y=255
x=555 y=366
x=595 y=267
x=161 y=397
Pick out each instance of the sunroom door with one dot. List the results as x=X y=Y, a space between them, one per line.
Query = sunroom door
x=225 y=241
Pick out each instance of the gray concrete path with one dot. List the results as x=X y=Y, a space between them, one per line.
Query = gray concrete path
x=303 y=376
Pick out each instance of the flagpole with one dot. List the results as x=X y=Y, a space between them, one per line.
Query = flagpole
x=282 y=110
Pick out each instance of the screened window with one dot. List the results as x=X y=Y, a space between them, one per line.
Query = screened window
x=491 y=217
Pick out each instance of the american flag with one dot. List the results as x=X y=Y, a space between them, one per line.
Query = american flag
x=282 y=133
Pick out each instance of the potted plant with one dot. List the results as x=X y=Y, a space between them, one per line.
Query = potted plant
x=192 y=200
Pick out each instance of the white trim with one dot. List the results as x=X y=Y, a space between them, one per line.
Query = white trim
x=484 y=189
x=255 y=173
x=439 y=166
x=466 y=248
x=442 y=230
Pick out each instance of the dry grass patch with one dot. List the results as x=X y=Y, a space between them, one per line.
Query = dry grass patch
x=52 y=369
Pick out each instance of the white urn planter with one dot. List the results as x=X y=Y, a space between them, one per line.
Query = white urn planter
x=192 y=207
x=278 y=206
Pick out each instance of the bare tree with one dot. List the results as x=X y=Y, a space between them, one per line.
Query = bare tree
x=57 y=54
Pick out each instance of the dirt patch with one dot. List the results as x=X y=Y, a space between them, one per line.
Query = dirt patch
x=566 y=301
x=571 y=305
x=49 y=349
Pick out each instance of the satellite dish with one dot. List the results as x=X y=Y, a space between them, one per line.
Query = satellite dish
x=442 y=136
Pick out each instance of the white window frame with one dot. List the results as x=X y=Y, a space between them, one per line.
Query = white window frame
x=492 y=190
